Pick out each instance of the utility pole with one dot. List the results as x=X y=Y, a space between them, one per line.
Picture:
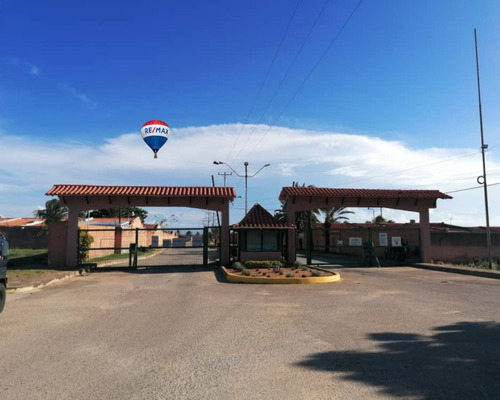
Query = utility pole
x=213 y=184
x=225 y=175
x=483 y=148
x=246 y=176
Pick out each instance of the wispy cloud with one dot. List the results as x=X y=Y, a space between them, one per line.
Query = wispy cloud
x=79 y=95
x=321 y=158
x=25 y=65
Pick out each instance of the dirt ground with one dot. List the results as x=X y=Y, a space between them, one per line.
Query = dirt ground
x=20 y=278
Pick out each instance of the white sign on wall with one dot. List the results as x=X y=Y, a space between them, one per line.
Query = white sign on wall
x=383 y=239
x=396 y=241
x=355 y=241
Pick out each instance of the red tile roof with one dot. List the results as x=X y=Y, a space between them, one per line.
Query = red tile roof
x=153 y=191
x=361 y=193
x=21 y=221
x=259 y=218
x=108 y=220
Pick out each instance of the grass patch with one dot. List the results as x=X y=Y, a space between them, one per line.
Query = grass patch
x=26 y=273
x=27 y=258
x=20 y=253
x=118 y=256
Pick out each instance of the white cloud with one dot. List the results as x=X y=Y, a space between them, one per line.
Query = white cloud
x=324 y=159
x=25 y=65
x=79 y=95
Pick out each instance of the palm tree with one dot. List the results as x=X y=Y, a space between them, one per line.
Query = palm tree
x=303 y=219
x=379 y=220
x=53 y=211
x=333 y=215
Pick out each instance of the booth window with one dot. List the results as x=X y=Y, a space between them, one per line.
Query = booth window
x=262 y=240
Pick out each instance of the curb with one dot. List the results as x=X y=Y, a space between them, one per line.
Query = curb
x=23 y=289
x=460 y=270
x=335 y=277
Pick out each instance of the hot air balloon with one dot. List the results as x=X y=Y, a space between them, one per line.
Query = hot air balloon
x=155 y=133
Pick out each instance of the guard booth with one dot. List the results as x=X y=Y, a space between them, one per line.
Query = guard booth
x=259 y=236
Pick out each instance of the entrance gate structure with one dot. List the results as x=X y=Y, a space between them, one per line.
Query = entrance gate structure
x=365 y=244
x=150 y=247
x=298 y=199
x=80 y=198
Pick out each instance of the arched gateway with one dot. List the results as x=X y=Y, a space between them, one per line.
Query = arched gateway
x=80 y=198
x=309 y=198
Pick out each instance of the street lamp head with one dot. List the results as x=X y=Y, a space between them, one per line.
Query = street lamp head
x=218 y=162
x=245 y=163
x=267 y=165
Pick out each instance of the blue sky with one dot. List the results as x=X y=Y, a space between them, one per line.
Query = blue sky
x=371 y=94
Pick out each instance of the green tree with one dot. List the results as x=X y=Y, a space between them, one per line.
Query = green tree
x=379 y=220
x=84 y=242
x=213 y=236
x=120 y=212
x=333 y=215
x=53 y=211
x=303 y=219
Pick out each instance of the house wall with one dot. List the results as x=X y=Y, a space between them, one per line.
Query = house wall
x=463 y=247
x=108 y=237
x=25 y=237
x=56 y=247
x=260 y=256
x=104 y=236
x=455 y=247
x=409 y=233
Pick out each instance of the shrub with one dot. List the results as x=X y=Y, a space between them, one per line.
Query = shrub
x=264 y=264
x=483 y=264
x=245 y=272
x=315 y=273
x=238 y=266
x=84 y=242
x=289 y=275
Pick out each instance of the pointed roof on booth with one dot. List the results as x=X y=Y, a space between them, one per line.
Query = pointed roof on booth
x=260 y=218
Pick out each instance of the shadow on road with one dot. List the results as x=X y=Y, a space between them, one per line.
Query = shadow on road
x=167 y=269
x=460 y=361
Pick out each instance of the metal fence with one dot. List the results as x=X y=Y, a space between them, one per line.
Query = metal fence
x=141 y=247
x=354 y=245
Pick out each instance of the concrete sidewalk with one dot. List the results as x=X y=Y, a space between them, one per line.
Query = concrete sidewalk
x=485 y=273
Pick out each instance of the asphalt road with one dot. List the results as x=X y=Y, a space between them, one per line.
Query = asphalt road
x=388 y=333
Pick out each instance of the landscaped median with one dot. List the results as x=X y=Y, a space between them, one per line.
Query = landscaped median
x=274 y=272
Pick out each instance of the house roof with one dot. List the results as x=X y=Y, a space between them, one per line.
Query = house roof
x=259 y=218
x=434 y=226
x=151 y=226
x=21 y=221
x=109 y=221
x=444 y=227
x=152 y=191
x=361 y=193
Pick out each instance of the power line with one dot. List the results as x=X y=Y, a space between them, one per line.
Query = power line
x=308 y=75
x=265 y=78
x=472 y=188
x=286 y=74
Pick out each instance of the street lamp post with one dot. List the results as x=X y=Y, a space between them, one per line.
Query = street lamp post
x=246 y=176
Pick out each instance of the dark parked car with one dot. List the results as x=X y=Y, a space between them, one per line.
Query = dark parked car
x=4 y=254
